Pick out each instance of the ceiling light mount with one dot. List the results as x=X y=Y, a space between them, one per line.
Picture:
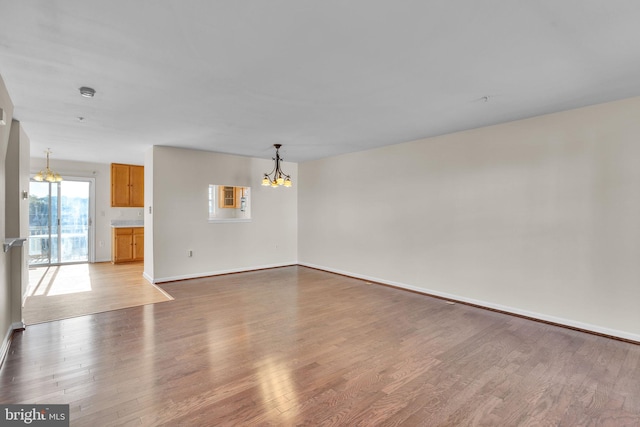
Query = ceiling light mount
x=276 y=177
x=87 y=92
x=47 y=174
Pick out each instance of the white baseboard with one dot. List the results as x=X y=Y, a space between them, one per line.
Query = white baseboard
x=4 y=349
x=147 y=277
x=150 y=280
x=486 y=304
x=6 y=341
x=215 y=273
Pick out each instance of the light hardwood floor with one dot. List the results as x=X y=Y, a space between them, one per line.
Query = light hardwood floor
x=60 y=292
x=296 y=346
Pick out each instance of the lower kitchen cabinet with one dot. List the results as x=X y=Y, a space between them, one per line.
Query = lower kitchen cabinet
x=127 y=244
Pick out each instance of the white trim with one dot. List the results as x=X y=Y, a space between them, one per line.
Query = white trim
x=17 y=326
x=150 y=280
x=218 y=273
x=544 y=317
x=147 y=277
x=6 y=342
x=165 y=293
x=4 y=350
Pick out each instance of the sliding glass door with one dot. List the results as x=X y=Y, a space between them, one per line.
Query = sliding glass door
x=59 y=222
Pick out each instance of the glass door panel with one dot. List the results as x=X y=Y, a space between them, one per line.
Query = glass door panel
x=74 y=221
x=59 y=222
x=39 y=223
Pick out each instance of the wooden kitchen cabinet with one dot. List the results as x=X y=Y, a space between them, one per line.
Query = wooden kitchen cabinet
x=229 y=197
x=138 y=244
x=127 y=244
x=127 y=185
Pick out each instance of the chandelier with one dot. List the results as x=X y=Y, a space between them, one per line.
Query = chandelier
x=47 y=174
x=276 y=177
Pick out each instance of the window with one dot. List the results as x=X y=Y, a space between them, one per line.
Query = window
x=228 y=203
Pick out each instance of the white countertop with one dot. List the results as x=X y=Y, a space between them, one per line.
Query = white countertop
x=126 y=223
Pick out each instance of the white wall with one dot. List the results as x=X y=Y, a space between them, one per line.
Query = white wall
x=539 y=217
x=104 y=213
x=17 y=211
x=179 y=199
x=17 y=181
x=6 y=319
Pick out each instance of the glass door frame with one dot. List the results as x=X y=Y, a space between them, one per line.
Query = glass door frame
x=91 y=231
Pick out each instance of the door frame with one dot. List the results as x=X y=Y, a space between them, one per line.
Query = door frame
x=91 y=233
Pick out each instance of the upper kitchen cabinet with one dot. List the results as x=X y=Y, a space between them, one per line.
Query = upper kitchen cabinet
x=127 y=186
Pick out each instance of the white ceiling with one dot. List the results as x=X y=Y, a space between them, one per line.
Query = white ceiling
x=320 y=77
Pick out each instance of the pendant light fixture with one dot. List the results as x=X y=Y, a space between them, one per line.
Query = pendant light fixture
x=47 y=174
x=276 y=177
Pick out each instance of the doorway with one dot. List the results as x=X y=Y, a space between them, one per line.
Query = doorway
x=60 y=222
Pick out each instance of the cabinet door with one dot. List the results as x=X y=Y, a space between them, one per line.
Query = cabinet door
x=120 y=185
x=123 y=245
x=138 y=244
x=228 y=197
x=137 y=186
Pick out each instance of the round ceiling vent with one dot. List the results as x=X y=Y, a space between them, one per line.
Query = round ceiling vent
x=87 y=92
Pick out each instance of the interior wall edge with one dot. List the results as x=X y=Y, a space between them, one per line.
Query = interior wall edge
x=562 y=322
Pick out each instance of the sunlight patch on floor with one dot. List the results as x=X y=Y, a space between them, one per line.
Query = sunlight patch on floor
x=56 y=280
